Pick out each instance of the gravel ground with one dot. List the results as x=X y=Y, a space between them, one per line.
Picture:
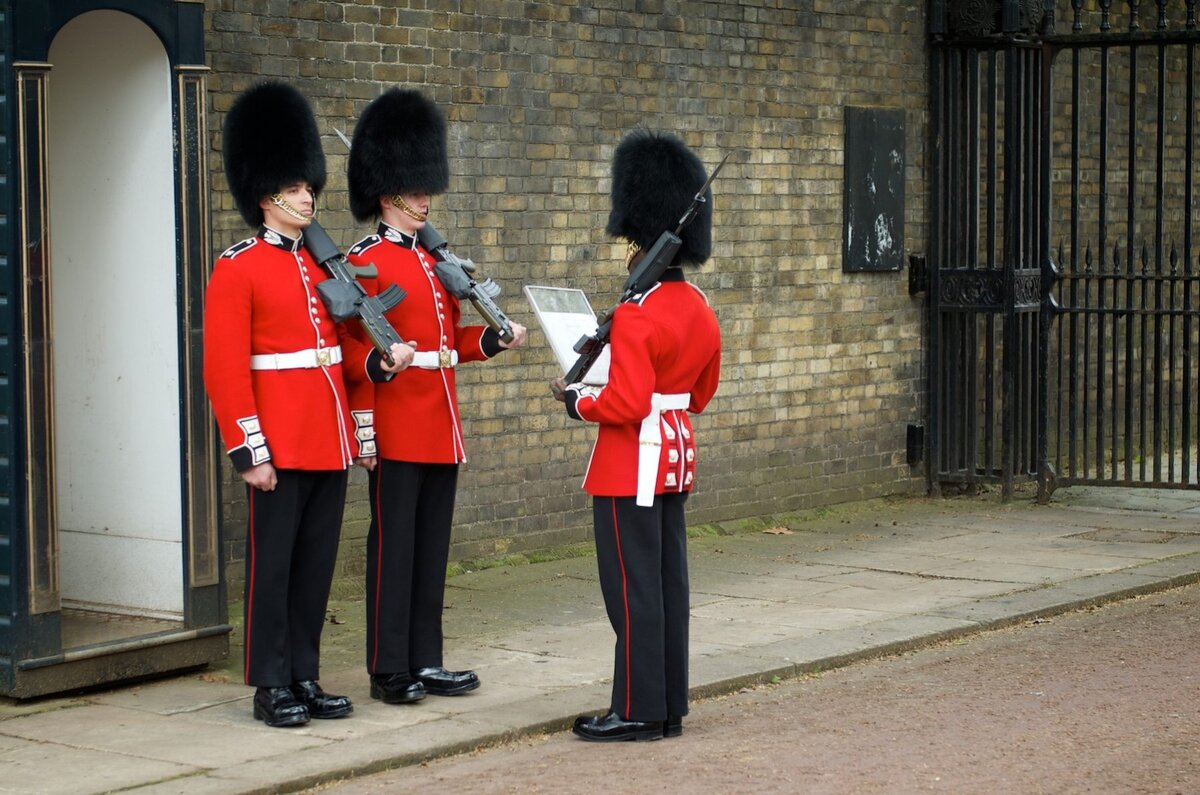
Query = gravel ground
x=1105 y=700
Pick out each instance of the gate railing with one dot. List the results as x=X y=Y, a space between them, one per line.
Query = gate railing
x=1060 y=350
x=1123 y=351
x=984 y=279
x=1123 y=397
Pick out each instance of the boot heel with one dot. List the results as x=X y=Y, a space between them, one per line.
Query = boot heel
x=672 y=727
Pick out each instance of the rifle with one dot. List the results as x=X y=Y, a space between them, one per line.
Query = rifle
x=344 y=297
x=455 y=275
x=651 y=268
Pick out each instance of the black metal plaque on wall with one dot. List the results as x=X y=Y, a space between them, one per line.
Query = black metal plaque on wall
x=873 y=201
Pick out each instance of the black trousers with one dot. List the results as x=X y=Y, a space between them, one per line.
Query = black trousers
x=291 y=550
x=642 y=557
x=408 y=544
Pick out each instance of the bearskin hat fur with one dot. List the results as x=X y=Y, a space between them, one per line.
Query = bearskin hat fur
x=399 y=146
x=654 y=179
x=270 y=141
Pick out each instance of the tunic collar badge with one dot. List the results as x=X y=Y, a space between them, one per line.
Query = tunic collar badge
x=394 y=235
x=271 y=237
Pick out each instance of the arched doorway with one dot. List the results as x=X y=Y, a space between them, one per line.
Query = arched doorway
x=116 y=353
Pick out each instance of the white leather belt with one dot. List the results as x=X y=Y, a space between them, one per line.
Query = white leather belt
x=313 y=357
x=650 y=442
x=435 y=360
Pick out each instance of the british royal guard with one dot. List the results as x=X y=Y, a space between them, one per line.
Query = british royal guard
x=397 y=164
x=273 y=371
x=665 y=364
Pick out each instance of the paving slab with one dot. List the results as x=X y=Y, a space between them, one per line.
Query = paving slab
x=172 y=696
x=52 y=769
x=132 y=734
x=769 y=586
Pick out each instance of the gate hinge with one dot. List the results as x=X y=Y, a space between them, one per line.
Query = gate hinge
x=918 y=277
x=915 y=444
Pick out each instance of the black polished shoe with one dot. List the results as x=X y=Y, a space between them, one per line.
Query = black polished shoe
x=320 y=704
x=673 y=726
x=396 y=688
x=613 y=728
x=440 y=682
x=278 y=706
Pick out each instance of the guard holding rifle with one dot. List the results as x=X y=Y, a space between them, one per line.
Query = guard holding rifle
x=665 y=363
x=273 y=371
x=397 y=162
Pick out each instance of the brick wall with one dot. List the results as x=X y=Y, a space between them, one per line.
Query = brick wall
x=822 y=369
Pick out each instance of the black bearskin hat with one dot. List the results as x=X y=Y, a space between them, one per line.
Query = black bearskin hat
x=654 y=179
x=270 y=141
x=399 y=146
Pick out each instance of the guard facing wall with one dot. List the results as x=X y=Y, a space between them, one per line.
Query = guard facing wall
x=823 y=369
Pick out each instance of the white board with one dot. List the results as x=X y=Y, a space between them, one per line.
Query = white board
x=565 y=315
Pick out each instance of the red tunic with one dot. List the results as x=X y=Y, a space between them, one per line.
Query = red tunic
x=261 y=299
x=416 y=412
x=666 y=341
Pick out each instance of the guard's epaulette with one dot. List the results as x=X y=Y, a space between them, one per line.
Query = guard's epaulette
x=238 y=248
x=367 y=242
x=639 y=298
x=702 y=293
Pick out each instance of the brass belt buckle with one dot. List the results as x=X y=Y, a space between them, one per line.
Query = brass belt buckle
x=444 y=360
x=323 y=357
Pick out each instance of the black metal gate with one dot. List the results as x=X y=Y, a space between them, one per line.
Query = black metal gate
x=1063 y=279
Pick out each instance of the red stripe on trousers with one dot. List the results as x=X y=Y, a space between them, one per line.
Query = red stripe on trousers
x=378 y=558
x=625 y=597
x=250 y=597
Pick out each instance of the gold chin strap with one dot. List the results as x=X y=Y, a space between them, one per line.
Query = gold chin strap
x=406 y=208
x=631 y=251
x=283 y=204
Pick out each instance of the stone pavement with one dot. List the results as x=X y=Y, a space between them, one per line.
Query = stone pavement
x=799 y=594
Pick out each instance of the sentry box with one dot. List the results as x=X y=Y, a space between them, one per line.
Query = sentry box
x=110 y=565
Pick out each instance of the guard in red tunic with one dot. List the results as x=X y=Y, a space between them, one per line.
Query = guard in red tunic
x=273 y=371
x=666 y=357
x=397 y=162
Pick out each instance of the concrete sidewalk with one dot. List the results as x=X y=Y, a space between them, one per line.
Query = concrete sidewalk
x=800 y=595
